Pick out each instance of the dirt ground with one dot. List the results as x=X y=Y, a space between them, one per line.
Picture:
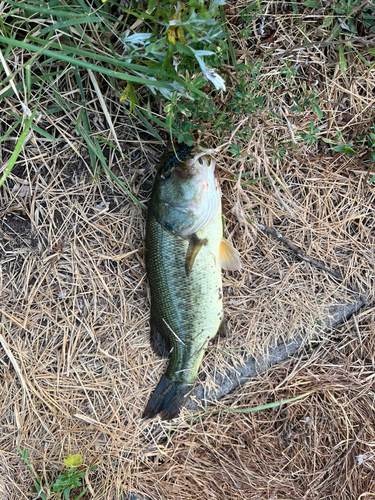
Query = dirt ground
x=76 y=366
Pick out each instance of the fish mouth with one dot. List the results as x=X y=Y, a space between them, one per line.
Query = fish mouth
x=202 y=167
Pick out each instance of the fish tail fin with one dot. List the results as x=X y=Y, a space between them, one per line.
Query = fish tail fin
x=167 y=399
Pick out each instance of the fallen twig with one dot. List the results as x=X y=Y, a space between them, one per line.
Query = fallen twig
x=297 y=250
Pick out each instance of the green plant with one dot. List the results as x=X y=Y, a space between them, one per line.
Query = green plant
x=345 y=148
x=65 y=482
x=248 y=14
x=345 y=15
x=311 y=135
x=307 y=100
x=164 y=55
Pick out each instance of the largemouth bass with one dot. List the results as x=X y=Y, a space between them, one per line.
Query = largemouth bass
x=185 y=252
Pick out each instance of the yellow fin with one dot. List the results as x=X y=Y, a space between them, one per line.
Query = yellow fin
x=229 y=257
x=195 y=244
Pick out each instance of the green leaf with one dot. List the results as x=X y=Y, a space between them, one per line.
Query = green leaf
x=349 y=151
x=73 y=460
x=317 y=110
x=345 y=148
x=95 y=147
x=72 y=22
x=81 y=494
x=295 y=7
x=83 y=114
x=17 y=149
x=43 y=133
x=8 y=132
x=327 y=21
x=64 y=481
x=342 y=60
x=150 y=128
x=276 y=404
x=262 y=407
x=313 y=4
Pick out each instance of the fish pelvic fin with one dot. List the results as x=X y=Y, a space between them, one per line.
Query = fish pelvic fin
x=229 y=256
x=195 y=244
x=167 y=399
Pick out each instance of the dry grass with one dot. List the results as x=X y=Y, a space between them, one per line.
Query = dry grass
x=76 y=365
x=321 y=447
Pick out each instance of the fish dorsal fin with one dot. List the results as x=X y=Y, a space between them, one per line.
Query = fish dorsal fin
x=195 y=244
x=228 y=256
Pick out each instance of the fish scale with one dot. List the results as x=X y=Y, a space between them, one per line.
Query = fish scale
x=186 y=309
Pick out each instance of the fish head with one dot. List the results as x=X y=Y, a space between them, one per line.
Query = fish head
x=187 y=196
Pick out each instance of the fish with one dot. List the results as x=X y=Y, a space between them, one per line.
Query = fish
x=185 y=252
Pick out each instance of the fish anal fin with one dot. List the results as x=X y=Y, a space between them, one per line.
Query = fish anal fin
x=229 y=257
x=195 y=244
x=221 y=332
x=159 y=341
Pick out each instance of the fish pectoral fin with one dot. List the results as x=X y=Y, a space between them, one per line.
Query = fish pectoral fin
x=195 y=244
x=160 y=342
x=229 y=257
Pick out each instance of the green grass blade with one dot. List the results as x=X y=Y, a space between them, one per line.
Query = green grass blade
x=72 y=22
x=51 y=12
x=275 y=404
x=97 y=57
x=113 y=60
x=17 y=149
x=112 y=146
x=253 y=181
x=12 y=128
x=83 y=114
x=58 y=109
x=138 y=112
x=229 y=41
x=43 y=133
x=59 y=56
x=20 y=142
x=95 y=146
